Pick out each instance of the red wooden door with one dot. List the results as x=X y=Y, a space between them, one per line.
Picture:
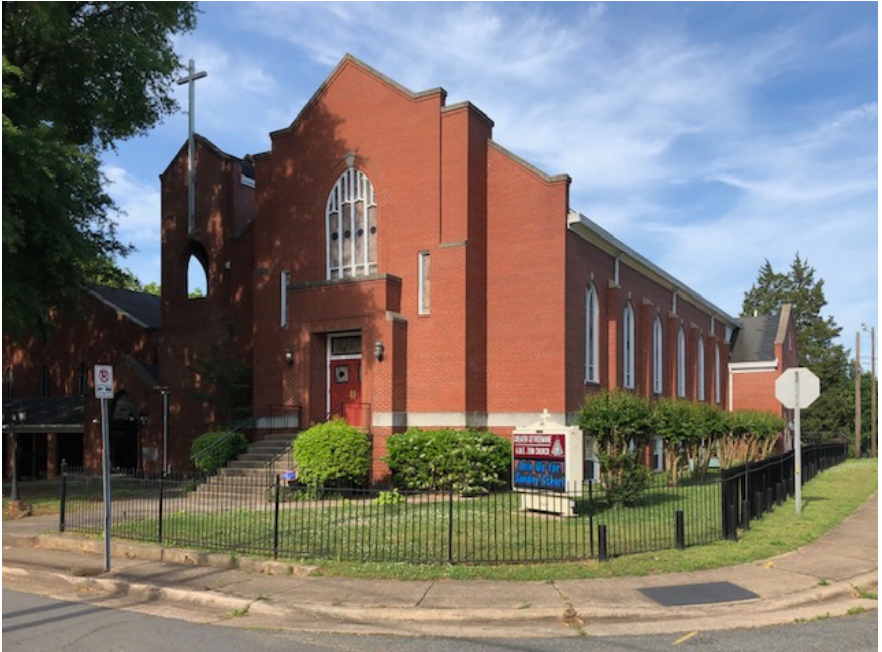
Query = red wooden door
x=346 y=391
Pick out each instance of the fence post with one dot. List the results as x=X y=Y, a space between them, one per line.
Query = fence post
x=450 y=525
x=733 y=521
x=769 y=499
x=63 y=496
x=161 y=496
x=276 y=523
x=745 y=514
x=601 y=543
x=591 y=514
x=760 y=508
x=680 y=529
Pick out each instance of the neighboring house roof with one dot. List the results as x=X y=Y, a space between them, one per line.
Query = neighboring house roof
x=140 y=307
x=756 y=337
x=46 y=413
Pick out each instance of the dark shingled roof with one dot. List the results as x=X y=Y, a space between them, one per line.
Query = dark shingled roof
x=46 y=413
x=140 y=307
x=754 y=341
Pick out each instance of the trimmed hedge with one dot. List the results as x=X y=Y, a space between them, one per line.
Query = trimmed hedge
x=219 y=456
x=470 y=461
x=332 y=453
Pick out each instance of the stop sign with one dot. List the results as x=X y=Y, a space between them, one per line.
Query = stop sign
x=786 y=386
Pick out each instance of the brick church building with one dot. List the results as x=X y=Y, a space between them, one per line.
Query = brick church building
x=386 y=261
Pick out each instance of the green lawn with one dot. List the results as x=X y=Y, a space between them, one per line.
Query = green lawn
x=827 y=500
x=424 y=529
x=359 y=538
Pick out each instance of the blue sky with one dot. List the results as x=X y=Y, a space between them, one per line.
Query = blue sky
x=709 y=137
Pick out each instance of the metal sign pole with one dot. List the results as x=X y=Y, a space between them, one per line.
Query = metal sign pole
x=105 y=441
x=797 y=453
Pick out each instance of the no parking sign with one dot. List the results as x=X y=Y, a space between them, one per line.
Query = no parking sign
x=103 y=381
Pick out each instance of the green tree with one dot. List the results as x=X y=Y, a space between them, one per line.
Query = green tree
x=815 y=335
x=77 y=77
x=619 y=421
x=152 y=288
x=674 y=421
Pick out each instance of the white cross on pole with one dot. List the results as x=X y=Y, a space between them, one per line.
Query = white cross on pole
x=190 y=80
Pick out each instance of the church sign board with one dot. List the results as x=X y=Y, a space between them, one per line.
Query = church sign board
x=546 y=464
x=540 y=461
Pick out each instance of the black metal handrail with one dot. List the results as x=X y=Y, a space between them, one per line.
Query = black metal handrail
x=246 y=426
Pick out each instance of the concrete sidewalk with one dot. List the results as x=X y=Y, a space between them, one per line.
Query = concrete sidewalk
x=819 y=579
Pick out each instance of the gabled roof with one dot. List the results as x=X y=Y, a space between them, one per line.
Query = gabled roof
x=140 y=307
x=348 y=59
x=756 y=337
x=247 y=166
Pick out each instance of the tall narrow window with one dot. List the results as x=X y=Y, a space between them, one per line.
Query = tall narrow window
x=681 y=363
x=628 y=347
x=717 y=396
x=9 y=386
x=592 y=349
x=44 y=381
x=351 y=219
x=283 y=300
x=657 y=356
x=82 y=379
x=424 y=290
x=699 y=364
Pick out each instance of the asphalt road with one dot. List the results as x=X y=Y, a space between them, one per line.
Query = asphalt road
x=35 y=623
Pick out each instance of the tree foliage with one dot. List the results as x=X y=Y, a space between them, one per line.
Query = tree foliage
x=77 y=77
x=621 y=423
x=815 y=335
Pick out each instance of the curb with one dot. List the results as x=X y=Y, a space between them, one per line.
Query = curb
x=455 y=622
x=470 y=622
x=143 y=552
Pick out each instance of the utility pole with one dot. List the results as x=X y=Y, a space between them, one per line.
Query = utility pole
x=857 y=396
x=872 y=389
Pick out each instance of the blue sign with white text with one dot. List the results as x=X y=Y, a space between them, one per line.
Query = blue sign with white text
x=540 y=474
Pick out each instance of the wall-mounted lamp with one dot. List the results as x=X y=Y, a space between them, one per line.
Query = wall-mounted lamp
x=379 y=350
x=142 y=419
x=289 y=357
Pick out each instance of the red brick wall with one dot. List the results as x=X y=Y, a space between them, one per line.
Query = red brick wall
x=191 y=327
x=526 y=259
x=649 y=300
x=96 y=334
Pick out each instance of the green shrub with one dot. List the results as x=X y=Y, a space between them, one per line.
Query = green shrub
x=220 y=454
x=625 y=480
x=332 y=453
x=470 y=461
x=389 y=498
x=616 y=420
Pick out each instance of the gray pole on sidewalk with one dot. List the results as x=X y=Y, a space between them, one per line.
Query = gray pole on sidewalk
x=797 y=452
x=105 y=454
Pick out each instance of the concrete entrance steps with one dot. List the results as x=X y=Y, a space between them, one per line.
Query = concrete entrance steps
x=250 y=475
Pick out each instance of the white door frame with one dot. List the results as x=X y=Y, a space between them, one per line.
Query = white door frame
x=329 y=358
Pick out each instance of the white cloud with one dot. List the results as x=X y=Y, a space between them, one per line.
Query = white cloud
x=139 y=223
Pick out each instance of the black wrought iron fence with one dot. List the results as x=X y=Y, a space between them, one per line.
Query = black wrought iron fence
x=753 y=489
x=293 y=521
x=285 y=520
